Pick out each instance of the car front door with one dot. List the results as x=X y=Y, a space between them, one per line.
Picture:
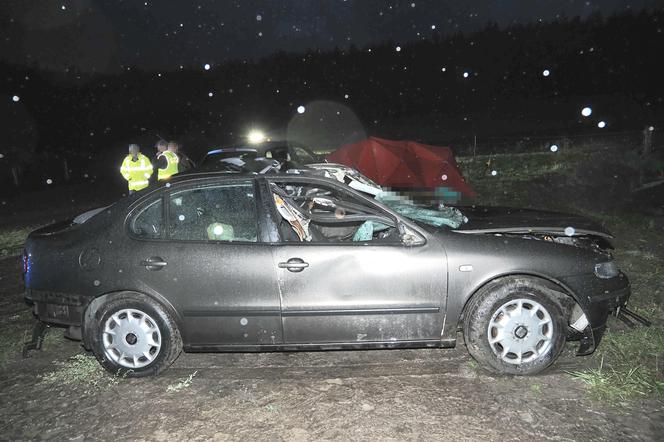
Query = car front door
x=341 y=285
x=199 y=247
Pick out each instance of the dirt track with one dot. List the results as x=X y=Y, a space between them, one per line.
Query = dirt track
x=379 y=395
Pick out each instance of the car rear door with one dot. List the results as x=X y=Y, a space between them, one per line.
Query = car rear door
x=206 y=258
x=345 y=291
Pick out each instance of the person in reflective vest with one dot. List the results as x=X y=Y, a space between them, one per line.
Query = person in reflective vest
x=184 y=162
x=172 y=161
x=136 y=169
x=160 y=161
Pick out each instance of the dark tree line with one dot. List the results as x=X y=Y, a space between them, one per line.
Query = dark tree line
x=614 y=62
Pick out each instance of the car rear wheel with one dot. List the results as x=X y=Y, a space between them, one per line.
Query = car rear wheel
x=134 y=336
x=514 y=326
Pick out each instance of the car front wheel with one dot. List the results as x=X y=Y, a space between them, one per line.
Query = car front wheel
x=134 y=336
x=514 y=326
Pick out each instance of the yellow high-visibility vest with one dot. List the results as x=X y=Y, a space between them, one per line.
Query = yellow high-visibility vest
x=172 y=161
x=137 y=173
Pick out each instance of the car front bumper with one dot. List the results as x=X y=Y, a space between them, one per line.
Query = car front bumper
x=597 y=298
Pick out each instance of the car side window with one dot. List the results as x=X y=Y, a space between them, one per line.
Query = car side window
x=280 y=154
x=302 y=156
x=311 y=212
x=148 y=223
x=214 y=213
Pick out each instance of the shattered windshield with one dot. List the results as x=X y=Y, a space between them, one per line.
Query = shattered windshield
x=437 y=217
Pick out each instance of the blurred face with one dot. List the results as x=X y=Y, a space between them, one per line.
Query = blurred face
x=133 y=151
x=172 y=147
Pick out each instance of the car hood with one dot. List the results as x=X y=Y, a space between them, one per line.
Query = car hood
x=509 y=220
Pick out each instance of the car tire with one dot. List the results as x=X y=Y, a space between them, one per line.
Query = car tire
x=514 y=326
x=134 y=336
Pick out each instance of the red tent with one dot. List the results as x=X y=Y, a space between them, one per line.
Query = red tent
x=403 y=164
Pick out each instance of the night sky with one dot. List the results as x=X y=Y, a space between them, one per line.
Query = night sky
x=108 y=36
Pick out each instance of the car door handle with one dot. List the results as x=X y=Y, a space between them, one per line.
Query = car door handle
x=294 y=265
x=154 y=263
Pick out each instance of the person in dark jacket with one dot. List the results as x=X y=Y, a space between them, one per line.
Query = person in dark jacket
x=184 y=163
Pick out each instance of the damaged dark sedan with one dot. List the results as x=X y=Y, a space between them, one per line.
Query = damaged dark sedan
x=293 y=261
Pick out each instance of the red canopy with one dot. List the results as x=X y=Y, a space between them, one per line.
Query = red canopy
x=403 y=164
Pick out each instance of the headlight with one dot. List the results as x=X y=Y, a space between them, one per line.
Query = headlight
x=256 y=137
x=606 y=270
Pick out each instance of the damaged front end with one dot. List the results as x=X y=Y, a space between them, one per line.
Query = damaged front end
x=590 y=284
x=599 y=294
x=595 y=243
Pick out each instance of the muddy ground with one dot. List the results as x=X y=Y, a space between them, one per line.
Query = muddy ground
x=427 y=394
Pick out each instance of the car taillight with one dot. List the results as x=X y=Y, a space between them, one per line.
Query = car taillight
x=25 y=262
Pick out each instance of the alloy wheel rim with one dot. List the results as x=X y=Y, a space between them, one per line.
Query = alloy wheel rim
x=131 y=338
x=520 y=331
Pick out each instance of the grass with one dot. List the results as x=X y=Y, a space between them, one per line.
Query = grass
x=474 y=368
x=520 y=166
x=633 y=223
x=181 y=384
x=630 y=362
x=630 y=365
x=16 y=330
x=81 y=370
x=13 y=333
x=10 y=344
x=12 y=239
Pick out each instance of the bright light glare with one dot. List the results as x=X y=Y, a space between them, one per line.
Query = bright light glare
x=256 y=136
x=586 y=111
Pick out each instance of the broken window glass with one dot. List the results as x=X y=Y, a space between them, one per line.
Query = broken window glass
x=214 y=213
x=317 y=213
x=438 y=217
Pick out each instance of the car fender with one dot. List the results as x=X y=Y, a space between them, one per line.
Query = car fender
x=455 y=312
x=96 y=302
